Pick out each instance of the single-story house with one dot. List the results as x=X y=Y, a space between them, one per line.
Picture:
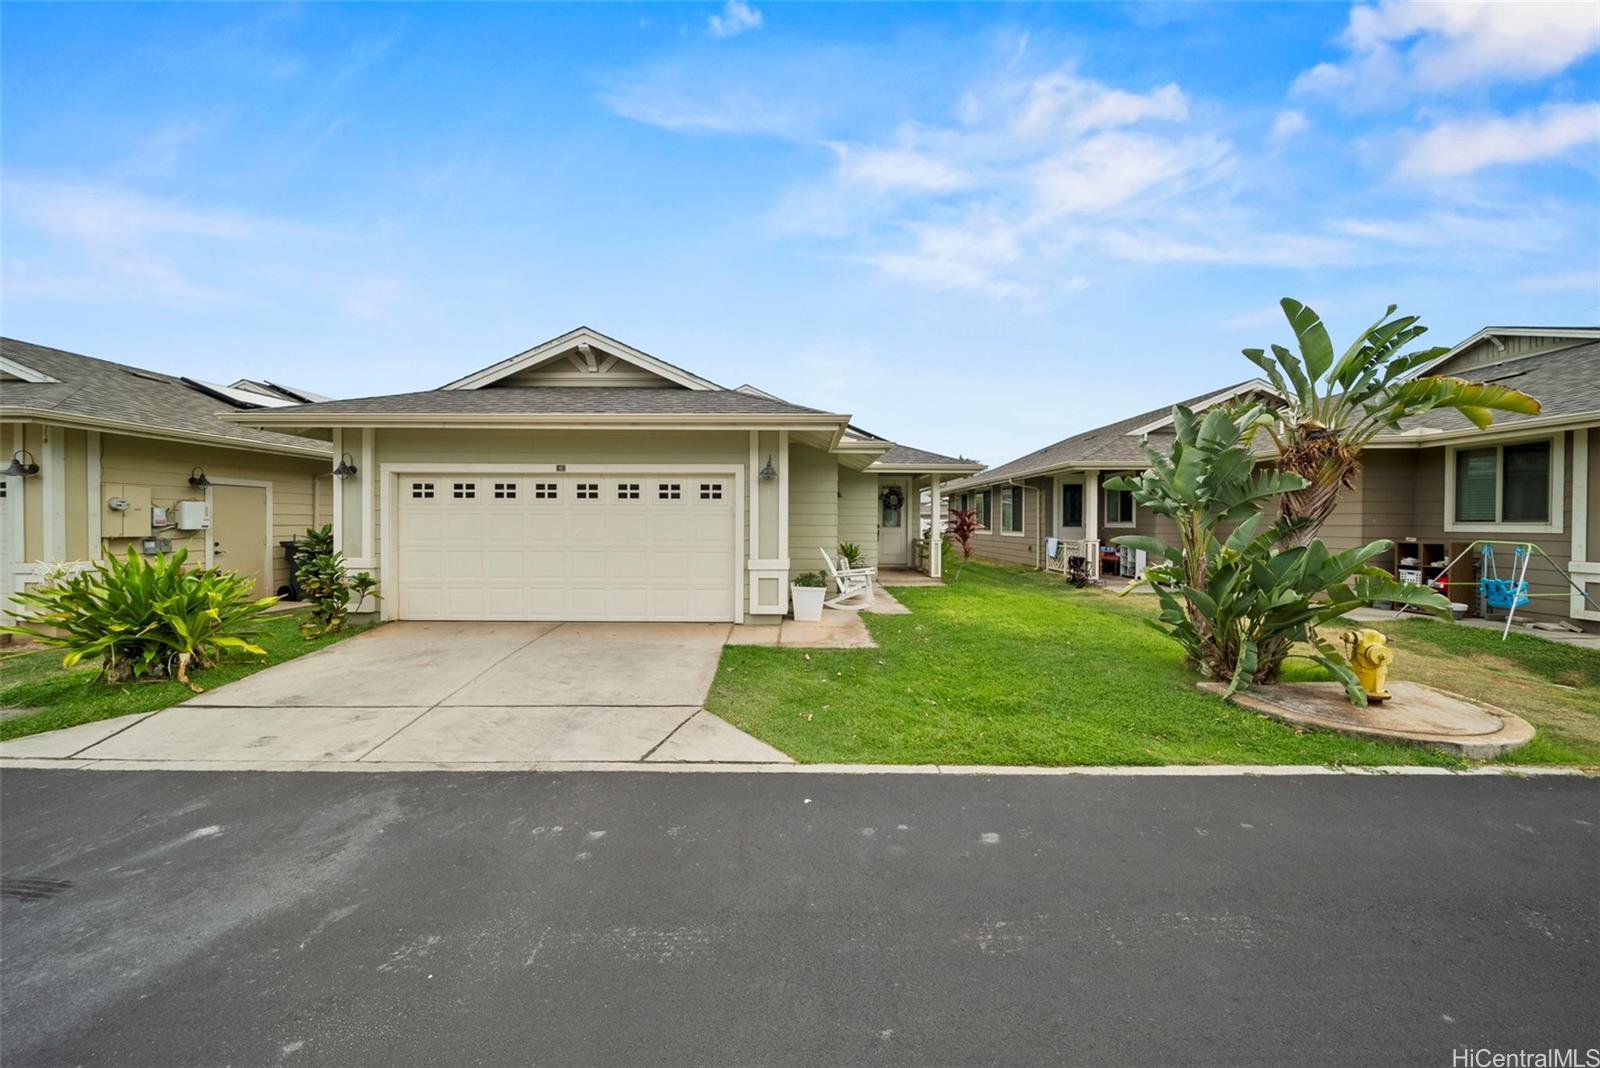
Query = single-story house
x=1433 y=487
x=585 y=479
x=103 y=456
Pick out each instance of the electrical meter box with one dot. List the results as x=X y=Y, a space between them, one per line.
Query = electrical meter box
x=127 y=511
x=193 y=515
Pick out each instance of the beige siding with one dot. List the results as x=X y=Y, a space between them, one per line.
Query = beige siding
x=858 y=512
x=813 y=507
x=164 y=468
x=1023 y=548
x=1498 y=349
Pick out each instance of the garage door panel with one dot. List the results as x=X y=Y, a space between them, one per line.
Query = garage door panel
x=567 y=547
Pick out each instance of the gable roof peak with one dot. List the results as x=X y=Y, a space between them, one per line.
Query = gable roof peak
x=579 y=345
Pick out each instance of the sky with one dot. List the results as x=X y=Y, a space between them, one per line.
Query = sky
x=978 y=229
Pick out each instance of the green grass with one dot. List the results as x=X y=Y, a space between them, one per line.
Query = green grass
x=1006 y=667
x=58 y=698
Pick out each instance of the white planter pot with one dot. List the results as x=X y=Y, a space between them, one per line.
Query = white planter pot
x=807 y=602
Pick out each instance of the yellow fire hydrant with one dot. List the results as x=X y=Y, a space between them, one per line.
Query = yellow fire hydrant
x=1370 y=656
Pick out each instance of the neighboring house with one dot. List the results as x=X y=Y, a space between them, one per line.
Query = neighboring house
x=1434 y=486
x=119 y=453
x=584 y=479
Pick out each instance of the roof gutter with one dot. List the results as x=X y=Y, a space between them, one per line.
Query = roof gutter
x=1432 y=438
x=313 y=449
x=267 y=419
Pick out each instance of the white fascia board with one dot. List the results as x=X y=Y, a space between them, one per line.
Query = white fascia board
x=313 y=448
x=1428 y=439
x=557 y=345
x=24 y=372
x=276 y=420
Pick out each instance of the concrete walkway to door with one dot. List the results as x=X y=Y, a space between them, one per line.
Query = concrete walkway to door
x=458 y=693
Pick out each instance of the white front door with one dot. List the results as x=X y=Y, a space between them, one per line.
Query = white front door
x=894 y=522
x=620 y=547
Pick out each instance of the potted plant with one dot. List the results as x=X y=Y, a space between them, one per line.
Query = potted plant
x=850 y=553
x=806 y=593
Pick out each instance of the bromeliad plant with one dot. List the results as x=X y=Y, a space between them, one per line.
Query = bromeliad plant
x=1333 y=407
x=850 y=553
x=1237 y=604
x=143 y=618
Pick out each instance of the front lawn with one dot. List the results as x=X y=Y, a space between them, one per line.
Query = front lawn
x=1008 y=667
x=34 y=680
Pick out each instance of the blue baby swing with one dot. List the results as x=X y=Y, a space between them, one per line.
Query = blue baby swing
x=1508 y=594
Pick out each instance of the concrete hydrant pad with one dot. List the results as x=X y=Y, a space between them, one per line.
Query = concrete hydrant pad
x=1416 y=713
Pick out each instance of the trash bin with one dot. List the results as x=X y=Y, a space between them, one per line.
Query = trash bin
x=291 y=554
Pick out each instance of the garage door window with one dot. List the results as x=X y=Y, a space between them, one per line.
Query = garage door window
x=669 y=491
x=588 y=491
x=464 y=491
x=422 y=491
x=711 y=491
x=545 y=491
x=505 y=491
x=627 y=491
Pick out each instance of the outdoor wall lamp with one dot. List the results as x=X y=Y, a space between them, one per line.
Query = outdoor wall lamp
x=346 y=468
x=19 y=467
x=198 y=479
x=768 y=473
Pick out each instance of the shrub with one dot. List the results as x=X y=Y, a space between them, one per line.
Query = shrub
x=814 y=579
x=144 y=618
x=1237 y=606
x=850 y=553
x=961 y=526
x=326 y=584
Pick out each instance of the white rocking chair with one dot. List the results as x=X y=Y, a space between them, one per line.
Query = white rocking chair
x=854 y=585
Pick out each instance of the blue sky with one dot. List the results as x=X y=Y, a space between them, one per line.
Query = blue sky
x=978 y=228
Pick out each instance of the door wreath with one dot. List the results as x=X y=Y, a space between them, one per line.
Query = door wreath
x=892 y=498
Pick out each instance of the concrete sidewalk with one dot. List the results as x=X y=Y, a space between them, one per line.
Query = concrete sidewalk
x=458 y=693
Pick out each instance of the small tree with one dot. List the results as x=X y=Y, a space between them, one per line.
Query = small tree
x=959 y=529
x=1333 y=407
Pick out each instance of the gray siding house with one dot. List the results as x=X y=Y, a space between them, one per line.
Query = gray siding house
x=1433 y=487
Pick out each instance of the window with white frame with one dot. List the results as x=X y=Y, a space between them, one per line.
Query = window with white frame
x=711 y=491
x=627 y=491
x=546 y=491
x=587 y=491
x=1118 y=507
x=1011 y=510
x=422 y=491
x=985 y=501
x=464 y=491
x=1503 y=485
x=505 y=491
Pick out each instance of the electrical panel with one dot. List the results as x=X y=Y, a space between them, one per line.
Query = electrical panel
x=193 y=515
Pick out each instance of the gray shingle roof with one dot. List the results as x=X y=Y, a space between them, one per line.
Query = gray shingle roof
x=906 y=456
x=99 y=390
x=1111 y=445
x=551 y=400
x=1565 y=382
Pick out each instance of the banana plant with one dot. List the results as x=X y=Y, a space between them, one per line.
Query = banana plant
x=1333 y=406
x=1256 y=603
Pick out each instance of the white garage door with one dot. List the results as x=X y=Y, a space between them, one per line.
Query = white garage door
x=560 y=547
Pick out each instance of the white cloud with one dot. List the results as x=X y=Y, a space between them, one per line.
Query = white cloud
x=1397 y=48
x=1289 y=123
x=895 y=168
x=1457 y=147
x=735 y=18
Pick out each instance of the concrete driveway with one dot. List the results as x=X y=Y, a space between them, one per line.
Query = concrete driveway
x=424 y=693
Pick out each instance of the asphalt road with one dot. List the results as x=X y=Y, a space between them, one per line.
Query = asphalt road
x=262 y=918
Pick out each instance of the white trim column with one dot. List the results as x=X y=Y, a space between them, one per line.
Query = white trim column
x=93 y=500
x=1583 y=571
x=935 y=532
x=53 y=472
x=1091 y=519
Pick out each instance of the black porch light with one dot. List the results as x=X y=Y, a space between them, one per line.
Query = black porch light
x=768 y=473
x=198 y=479
x=20 y=467
x=346 y=467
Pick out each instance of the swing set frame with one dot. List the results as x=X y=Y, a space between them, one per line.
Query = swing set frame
x=1517 y=584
